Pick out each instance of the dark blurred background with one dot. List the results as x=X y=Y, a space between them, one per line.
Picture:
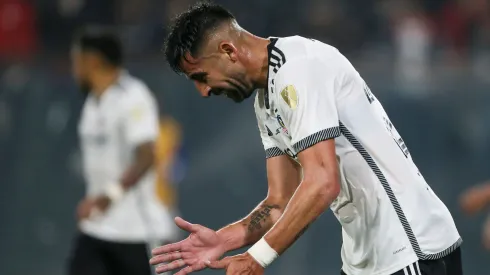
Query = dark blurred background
x=427 y=61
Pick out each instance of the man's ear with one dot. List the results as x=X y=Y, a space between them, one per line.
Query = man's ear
x=229 y=49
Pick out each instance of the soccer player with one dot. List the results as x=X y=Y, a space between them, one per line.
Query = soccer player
x=121 y=214
x=474 y=200
x=314 y=111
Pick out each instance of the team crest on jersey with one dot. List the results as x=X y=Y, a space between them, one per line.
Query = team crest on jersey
x=137 y=113
x=283 y=126
x=290 y=97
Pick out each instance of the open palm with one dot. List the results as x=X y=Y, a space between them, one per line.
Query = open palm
x=202 y=245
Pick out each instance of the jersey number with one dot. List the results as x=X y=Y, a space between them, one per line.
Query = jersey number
x=389 y=126
x=396 y=137
x=369 y=94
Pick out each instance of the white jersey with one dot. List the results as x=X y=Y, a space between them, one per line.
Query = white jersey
x=110 y=129
x=390 y=217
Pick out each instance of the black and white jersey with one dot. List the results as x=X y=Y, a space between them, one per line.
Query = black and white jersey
x=390 y=216
x=111 y=128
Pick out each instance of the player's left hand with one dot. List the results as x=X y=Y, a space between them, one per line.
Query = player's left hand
x=242 y=264
x=92 y=207
x=102 y=203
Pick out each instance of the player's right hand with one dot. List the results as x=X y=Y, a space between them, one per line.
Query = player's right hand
x=475 y=199
x=191 y=254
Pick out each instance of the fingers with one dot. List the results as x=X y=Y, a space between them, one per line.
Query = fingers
x=185 y=225
x=221 y=264
x=171 y=266
x=168 y=257
x=191 y=269
x=167 y=248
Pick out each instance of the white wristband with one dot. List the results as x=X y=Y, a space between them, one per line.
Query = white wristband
x=114 y=191
x=263 y=253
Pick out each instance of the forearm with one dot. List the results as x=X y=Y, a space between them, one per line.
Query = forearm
x=144 y=159
x=251 y=228
x=310 y=200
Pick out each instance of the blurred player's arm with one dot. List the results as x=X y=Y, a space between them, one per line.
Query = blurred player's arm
x=141 y=130
x=144 y=156
x=476 y=198
x=283 y=176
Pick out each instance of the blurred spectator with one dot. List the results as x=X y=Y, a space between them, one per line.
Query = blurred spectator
x=412 y=35
x=18 y=36
x=58 y=19
x=454 y=27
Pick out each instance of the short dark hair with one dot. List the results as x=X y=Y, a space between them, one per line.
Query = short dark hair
x=189 y=29
x=103 y=41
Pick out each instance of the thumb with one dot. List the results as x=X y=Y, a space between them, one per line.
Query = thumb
x=220 y=264
x=185 y=225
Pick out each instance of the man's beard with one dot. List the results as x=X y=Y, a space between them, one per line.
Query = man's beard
x=238 y=93
x=85 y=88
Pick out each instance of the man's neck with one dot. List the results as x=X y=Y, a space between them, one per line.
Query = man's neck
x=103 y=80
x=259 y=63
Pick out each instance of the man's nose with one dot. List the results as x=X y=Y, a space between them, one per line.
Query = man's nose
x=202 y=88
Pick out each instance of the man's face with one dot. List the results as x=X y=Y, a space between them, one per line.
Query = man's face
x=80 y=69
x=219 y=73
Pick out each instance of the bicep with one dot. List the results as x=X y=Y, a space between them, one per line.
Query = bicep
x=320 y=160
x=283 y=177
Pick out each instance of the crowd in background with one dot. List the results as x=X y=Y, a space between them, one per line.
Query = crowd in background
x=452 y=29
x=418 y=38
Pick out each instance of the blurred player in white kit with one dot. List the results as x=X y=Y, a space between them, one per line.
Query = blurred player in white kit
x=121 y=217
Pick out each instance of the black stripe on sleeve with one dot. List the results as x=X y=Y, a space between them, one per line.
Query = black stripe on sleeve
x=315 y=138
x=273 y=152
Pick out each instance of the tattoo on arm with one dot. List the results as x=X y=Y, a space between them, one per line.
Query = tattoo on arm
x=259 y=217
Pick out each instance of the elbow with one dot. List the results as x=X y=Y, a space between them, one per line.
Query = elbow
x=146 y=155
x=151 y=159
x=327 y=189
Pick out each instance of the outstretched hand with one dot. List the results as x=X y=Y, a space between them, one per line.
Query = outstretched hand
x=203 y=245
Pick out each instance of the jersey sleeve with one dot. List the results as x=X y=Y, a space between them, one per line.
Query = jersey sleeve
x=140 y=118
x=270 y=147
x=307 y=101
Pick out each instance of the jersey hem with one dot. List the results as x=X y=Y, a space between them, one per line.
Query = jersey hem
x=391 y=269
x=443 y=253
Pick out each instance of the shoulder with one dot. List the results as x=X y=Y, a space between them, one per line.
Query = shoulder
x=134 y=90
x=322 y=61
x=297 y=46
